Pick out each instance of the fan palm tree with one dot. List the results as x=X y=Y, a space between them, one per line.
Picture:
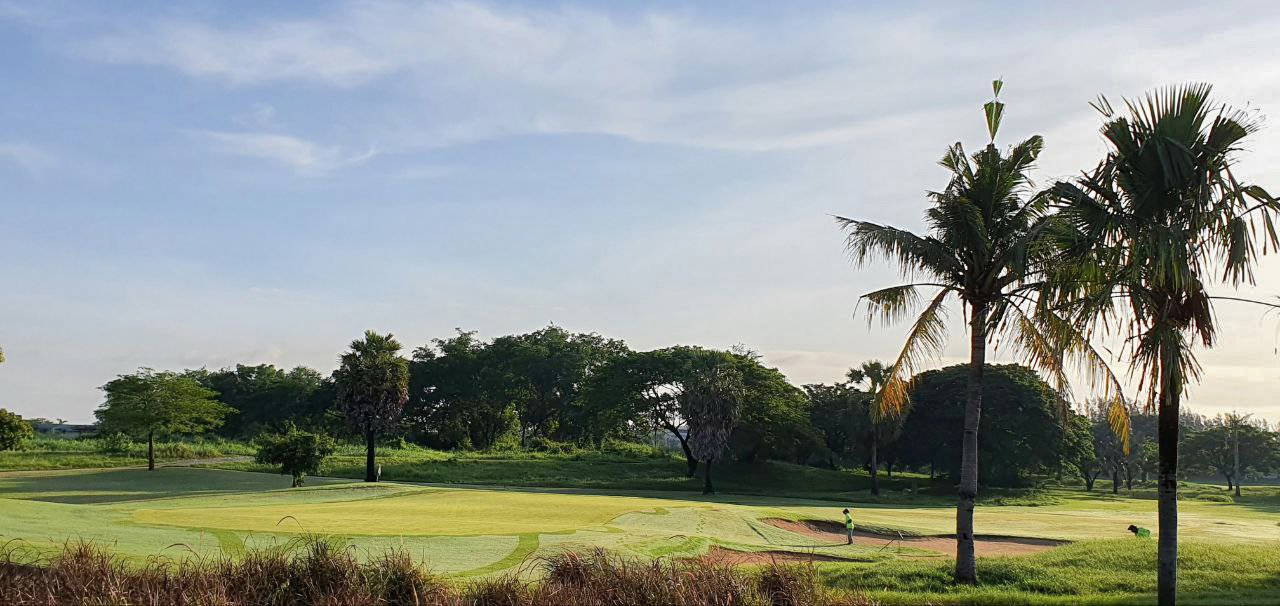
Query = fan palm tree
x=988 y=243
x=882 y=426
x=712 y=402
x=372 y=382
x=1160 y=215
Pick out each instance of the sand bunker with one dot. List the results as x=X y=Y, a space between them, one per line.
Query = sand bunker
x=833 y=533
x=722 y=556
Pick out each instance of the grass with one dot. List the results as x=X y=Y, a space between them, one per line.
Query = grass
x=43 y=453
x=476 y=534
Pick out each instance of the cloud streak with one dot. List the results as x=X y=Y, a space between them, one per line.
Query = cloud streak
x=305 y=157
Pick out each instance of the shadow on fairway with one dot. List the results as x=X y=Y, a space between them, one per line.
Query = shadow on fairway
x=101 y=486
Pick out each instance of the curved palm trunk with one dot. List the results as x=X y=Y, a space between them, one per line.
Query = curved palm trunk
x=966 y=566
x=370 y=460
x=151 y=451
x=1167 y=547
x=875 y=478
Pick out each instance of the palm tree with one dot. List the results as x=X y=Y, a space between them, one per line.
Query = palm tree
x=988 y=240
x=712 y=402
x=881 y=426
x=1158 y=216
x=372 y=383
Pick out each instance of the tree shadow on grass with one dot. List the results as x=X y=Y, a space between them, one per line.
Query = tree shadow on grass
x=86 y=487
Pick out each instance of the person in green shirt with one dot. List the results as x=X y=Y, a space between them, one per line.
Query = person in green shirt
x=848 y=527
x=1141 y=533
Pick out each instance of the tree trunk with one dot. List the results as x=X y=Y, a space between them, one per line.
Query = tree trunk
x=1115 y=482
x=1235 y=454
x=151 y=451
x=1167 y=547
x=1088 y=481
x=875 y=479
x=966 y=565
x=706 y=471
x=689 y=459
x=370 y=460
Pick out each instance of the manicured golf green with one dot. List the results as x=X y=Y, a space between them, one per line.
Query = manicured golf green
x=471 y=531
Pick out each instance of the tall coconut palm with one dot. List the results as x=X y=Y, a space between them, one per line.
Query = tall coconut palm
x=988 y=243
x=874 y=373
x=1161 y=215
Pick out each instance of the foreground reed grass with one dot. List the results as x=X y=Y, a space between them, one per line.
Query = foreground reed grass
x=323 y=572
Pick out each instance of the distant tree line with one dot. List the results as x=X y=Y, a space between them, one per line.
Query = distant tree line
x=551 y=387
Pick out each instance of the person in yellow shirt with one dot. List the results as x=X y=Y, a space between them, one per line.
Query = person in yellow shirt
x=848 y=527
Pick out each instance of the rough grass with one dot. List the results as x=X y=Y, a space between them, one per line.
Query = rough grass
x=44 y=453
x=321 y=571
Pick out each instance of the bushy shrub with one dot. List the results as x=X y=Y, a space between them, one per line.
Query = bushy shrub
x=547 y=445
x=1215 y=498
x=13 y=431
x=175 y=450
x=632 y=450
x=297 y=452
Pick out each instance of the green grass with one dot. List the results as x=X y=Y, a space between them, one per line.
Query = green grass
x=1228 y=551
x=44 y=453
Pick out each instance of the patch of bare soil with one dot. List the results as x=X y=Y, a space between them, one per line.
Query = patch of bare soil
x=833 y=533
x=728 y=557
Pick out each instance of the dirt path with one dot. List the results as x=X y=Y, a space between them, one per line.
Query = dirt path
x=833 y=533
x=721 y=556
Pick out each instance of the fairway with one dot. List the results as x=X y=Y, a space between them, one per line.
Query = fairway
x=468 y=531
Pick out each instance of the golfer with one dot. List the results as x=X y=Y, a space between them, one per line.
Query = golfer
x=848 y=527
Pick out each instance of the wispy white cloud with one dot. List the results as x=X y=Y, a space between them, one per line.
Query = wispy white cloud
x=33 y=159
x=303 y=156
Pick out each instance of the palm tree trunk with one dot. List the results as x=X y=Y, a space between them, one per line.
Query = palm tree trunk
x=370 y=460
x=966 y=565
x=1167 y=547
x=875 y=479
x=151 y=451
x=706 y=469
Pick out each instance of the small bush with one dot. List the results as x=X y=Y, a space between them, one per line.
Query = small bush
x=14 y=432
x=298 y=453
x=175 y=450
x=1215 y=498
x=541 y=444
x=631 y=450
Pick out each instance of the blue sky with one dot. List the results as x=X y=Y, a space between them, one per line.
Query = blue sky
x=200 y=184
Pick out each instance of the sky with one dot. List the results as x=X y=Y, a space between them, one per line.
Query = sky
x=200 y=184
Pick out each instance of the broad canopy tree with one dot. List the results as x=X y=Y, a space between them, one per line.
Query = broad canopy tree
x=150 y=403
x=372 y=383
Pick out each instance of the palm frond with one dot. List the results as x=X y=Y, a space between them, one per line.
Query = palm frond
x=925 y=341
x=911 y=252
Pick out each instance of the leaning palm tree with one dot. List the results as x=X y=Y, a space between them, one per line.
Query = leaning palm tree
x=988 y=243
x=880 y=426
x=1161 y=215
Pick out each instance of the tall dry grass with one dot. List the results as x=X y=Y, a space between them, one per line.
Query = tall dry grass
x=323 y=572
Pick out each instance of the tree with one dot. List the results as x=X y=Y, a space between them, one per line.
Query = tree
x=1232 y=446
x=988 y=241
x=1021 y=426
x=459 y=393
x=148 y=402
x=372 y=383
x=712 y=403
x=774 y=418
x=263 y=396
x=13 y=430
x=838 y=414
x=297 y=452
x=881 y=427
x=1161 y=214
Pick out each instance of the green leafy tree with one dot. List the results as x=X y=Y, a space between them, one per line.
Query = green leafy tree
x=263 y=396
x=298 y=453
x=372 y=384
x=988 y=243
x=1021 y=426
x=1232 y=446
x=149 y=403
x=13 y=431
x=838 y=414
x=1162 y=214
x=459 y=393
x=712 y=402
